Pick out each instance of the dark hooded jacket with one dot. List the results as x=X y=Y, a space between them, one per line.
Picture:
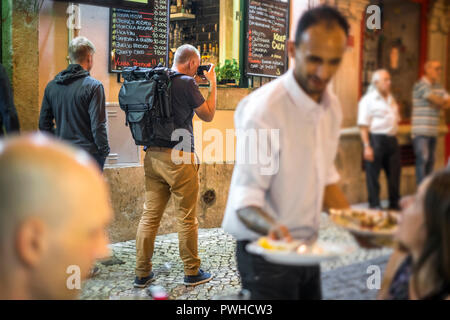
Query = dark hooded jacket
x=73 y=109
x=9 y=122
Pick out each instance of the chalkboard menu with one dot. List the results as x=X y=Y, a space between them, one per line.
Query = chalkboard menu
x=139 y=37
x=267 y=35
x=114 y=3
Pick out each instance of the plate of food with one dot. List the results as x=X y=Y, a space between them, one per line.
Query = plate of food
x=298 y=253
x=366 y=222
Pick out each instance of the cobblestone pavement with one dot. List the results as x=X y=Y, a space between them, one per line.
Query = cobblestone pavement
x=341 y=279
x=350 y=282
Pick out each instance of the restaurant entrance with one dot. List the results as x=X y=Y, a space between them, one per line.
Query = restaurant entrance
x=400 y=48
x=396 y=47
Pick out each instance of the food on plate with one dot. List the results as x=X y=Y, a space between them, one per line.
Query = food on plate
x=371 y=220
x=275 y=245
x=293 y=246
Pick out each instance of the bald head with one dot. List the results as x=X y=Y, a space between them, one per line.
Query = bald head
x=381 y=80
x=38 y=177
x=433 y=70
x=185 y=53
x=187 y=60
x=52 y=199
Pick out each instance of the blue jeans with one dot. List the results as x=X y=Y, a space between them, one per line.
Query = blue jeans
x=424 y=150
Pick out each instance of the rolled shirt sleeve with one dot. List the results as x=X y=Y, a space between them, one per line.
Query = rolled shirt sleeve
x=422 y=90
x=193 y=95
x=364 y=118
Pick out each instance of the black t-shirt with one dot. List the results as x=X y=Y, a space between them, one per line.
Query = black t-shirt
x=186 y=97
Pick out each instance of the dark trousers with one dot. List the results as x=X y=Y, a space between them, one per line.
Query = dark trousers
x=100 y=160
x=386 y=156
x=267 y=281
x=424 y=150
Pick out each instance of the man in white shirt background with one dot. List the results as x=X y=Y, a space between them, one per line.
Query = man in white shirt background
x=287 y=203
x=378 y=118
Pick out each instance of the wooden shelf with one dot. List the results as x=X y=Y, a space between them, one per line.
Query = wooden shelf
x=181 y=16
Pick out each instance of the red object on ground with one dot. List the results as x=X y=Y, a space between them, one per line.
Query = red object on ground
x=158 y=293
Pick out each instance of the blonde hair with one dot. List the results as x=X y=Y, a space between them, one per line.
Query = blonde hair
x=80 y=48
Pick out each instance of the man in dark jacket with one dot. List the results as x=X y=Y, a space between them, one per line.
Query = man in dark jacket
x=9 y=122
x=75 y=103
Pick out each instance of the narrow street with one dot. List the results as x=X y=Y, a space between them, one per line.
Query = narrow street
x=342 y=279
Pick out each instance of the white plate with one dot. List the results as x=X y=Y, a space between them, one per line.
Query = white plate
x=331 y=251
x=355 y=229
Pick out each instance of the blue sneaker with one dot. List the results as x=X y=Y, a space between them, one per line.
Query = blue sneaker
x=201 y=277
x=143 y=282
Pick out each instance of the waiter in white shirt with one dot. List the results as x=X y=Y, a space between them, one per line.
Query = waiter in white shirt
x=378 y=119
x=287 y=202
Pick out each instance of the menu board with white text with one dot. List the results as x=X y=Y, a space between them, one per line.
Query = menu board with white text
x=139 y=38
x=267 y=36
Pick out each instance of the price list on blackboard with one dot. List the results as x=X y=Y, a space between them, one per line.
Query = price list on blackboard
x=267 y=37
x=139 y=38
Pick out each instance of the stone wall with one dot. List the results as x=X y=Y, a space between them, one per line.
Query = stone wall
x=127 y=195
x=25 y=63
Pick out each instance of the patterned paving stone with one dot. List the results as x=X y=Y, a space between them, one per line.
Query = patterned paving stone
x=217 y=252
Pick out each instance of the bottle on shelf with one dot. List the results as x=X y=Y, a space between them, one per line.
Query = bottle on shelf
x=205 y=55
x=215 y=54
x=179 y=5
x=173 y=6
x=171 y=39
x=187 y=6
x=176 y=36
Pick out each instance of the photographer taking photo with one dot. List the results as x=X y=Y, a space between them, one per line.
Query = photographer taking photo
x=164 y=177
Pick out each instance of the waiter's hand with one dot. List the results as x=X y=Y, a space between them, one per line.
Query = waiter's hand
x=368 y=153
x=280 y=232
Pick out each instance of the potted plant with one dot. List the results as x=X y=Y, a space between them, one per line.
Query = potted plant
x=228 y=73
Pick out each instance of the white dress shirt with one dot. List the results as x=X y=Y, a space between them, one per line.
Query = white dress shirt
x=308 y=142
x=379 y=114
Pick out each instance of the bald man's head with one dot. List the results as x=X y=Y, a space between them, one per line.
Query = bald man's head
x=187 y=60
x=54 y=207
x=433 y=70
x=381 y=80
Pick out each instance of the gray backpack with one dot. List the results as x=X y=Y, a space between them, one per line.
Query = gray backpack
x=145 y=98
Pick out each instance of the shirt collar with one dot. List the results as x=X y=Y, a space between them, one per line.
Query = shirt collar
x=299 y=96
x=378 y=95
x=425 y=79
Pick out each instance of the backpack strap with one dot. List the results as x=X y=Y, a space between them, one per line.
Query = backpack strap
x=172 y=75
